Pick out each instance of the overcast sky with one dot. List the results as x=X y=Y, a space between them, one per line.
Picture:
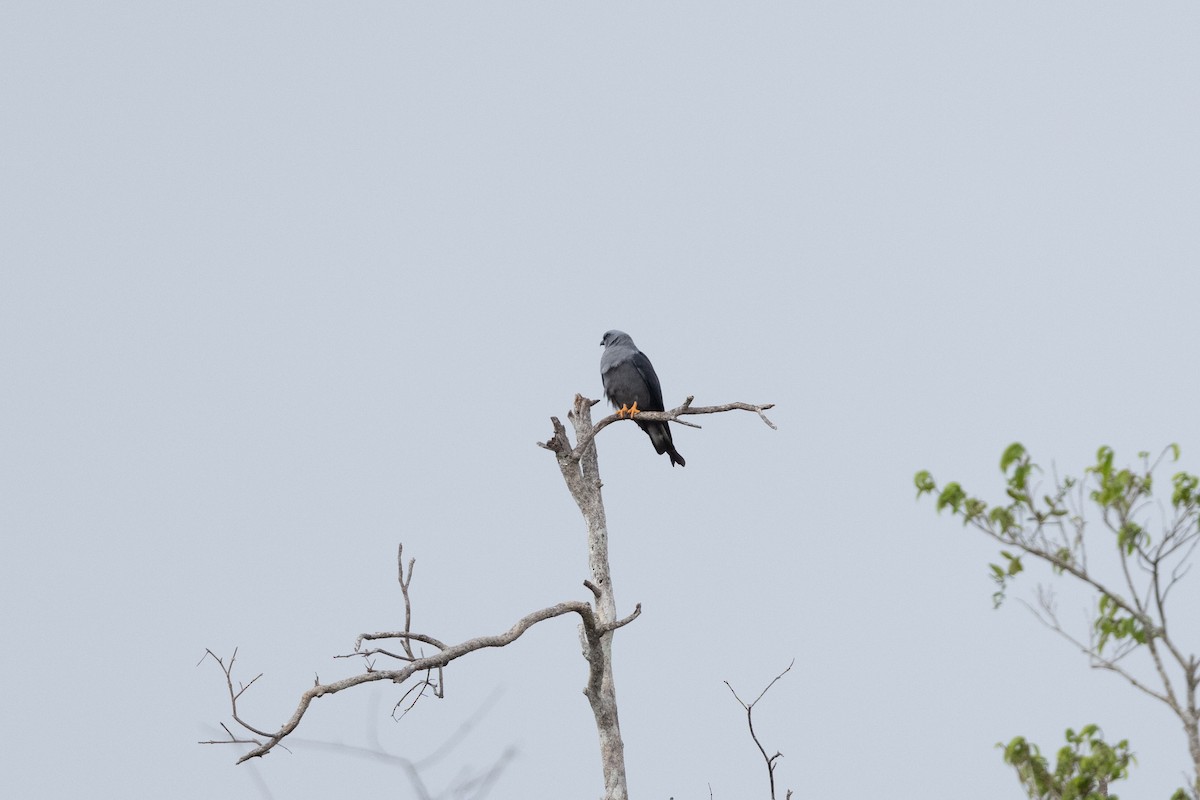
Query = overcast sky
x=287 y=284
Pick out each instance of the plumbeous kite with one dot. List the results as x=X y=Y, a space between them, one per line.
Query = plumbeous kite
x=631 y=385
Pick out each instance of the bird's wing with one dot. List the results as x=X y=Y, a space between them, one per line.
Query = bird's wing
x=623 y=383
x=650 y=378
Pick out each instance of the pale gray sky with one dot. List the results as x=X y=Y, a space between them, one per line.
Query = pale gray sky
x=285 y=284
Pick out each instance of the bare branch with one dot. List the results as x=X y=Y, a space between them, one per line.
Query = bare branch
x=621 y=623
x=445 y=655
x=560 y=444
x=770 y=760
x=231 y=740
x=403 y=635
x=1098 y=661
x=558 y=441
x=234 y=695
x=1066 y=566
x=687 y=408
x=376 y=651
x=404 y=584
x=419 y=688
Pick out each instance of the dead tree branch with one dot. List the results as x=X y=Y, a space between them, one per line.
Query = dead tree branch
x=770 y=760
x=585 y=438
x=404 y=584
x=267 y=741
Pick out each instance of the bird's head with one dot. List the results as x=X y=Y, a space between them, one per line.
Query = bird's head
x=615 y=337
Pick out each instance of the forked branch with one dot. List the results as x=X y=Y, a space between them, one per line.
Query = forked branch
x=770 y=760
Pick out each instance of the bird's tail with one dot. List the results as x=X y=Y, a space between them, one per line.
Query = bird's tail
x=660 y=435
x=675 y=457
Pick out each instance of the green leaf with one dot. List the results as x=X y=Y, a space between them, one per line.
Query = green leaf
x=953 y=496
x=924 y=482
x=1014 y=452
x=1003 y=518
x=1014 y=563
x=1112 y=623
x=1130 y=536
x=1185 y=490
x=1174 y=451
x=1020 y=476
x=973 y=508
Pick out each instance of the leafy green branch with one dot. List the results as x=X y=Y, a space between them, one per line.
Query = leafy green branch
x=1142 y=569
x=1083 y=769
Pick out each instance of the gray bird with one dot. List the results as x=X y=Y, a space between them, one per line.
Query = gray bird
x=631 y=385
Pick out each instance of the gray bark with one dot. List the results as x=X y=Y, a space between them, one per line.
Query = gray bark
x=582 y=474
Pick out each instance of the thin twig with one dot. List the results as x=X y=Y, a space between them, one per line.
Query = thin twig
x=1098 y=661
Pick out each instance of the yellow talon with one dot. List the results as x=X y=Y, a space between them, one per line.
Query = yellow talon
x=622 y=410
x=634 y=411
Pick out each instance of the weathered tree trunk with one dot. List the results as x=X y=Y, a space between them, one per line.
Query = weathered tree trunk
x=582 y=474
